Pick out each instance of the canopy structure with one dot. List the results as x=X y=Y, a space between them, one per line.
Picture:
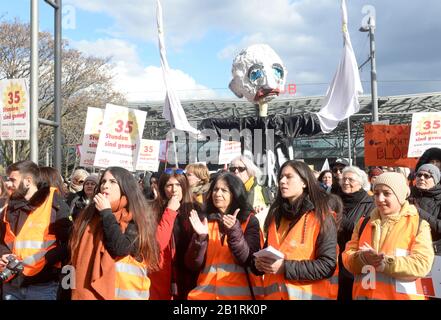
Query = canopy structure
x=395 y=109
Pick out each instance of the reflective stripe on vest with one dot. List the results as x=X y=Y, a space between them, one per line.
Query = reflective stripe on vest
x=33 y=241
x=222 y=278
x=402 y=236
x=28 y=244
x=299 y=244
x=131 y=279
x=131 y=294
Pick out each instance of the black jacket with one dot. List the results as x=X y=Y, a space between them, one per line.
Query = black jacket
x=60 y=226
x=241 y=244
x=351 y=218
x=428 y=203
x=284 y=127
x=325 y=262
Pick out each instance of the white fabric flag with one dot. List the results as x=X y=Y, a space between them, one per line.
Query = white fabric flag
x=341 y=100
x=325 y=165
x=173 y=110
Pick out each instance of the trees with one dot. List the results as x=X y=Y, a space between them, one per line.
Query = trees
x=86 y=82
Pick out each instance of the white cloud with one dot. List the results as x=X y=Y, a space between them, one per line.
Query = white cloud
x=138 y=82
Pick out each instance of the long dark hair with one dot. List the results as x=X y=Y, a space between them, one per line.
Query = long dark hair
x=312 y=191
x=238 y=193
x=160 y=203
x=51 y=177
x=147 y=247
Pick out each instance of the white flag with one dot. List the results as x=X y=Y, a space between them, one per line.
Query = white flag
x=341 y=100
x=173 y=110
x=325 y=165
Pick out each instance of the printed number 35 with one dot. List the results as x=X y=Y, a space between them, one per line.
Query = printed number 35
x=127 y=128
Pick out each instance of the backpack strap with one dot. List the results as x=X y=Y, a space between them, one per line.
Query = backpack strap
x=363 y=225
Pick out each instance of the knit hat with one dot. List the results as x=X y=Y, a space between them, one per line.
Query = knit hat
x=432 y=169
x=92 y=177
x=375 y=171
x=397 y=182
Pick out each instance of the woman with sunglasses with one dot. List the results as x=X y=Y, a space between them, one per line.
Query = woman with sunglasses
x=172 y=208
x=245 y=169
x=113 y=243
x=223 y=244
x=301 y=226
x=426 y=195
x=392 y=245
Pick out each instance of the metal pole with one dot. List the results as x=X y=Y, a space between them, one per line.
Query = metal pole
x=57 y=87
x=349 y=141
x=13 y=151
x=373 y=70
x=175 y=149
x=33 y=115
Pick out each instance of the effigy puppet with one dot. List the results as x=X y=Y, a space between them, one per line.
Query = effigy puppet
x=259 y=75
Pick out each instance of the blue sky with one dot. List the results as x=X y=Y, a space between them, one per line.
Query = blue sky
x=203 y=36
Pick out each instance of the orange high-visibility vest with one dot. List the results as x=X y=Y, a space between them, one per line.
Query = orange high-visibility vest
x=131 y=280
x=402 y=236
x=299 y=244
x=222 y=278
x=33 y=241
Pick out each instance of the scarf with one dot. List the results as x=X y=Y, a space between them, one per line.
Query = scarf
x=95 y=268
x=351 y=200
x=249 y=184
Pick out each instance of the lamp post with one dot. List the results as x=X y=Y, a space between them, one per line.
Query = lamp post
x=370 y=27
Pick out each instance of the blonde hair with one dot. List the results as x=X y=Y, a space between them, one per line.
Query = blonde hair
x=200 y=170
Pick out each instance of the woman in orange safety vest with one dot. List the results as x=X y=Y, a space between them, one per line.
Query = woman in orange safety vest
x=113 y=245
x=223 y=244
x=393 y=246
x=301 y=226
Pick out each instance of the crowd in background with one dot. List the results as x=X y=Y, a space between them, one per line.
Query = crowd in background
x=194 y=234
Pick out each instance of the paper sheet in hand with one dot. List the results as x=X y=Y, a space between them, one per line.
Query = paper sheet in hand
x=270 y=252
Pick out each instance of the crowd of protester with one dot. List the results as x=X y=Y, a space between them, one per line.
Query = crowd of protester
x=191 y=234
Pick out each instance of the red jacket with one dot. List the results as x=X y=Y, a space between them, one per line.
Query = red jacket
x=160 y=288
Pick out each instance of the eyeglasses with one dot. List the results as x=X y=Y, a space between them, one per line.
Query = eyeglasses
x=240 y=169
x=171 y=171
x=425 y=175
x=350 y=180
x=335 y=170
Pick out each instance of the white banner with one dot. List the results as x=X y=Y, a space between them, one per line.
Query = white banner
x=148 y=157
x=425 y=133
x=94 y=120
x=14 y=99
x=120 y=137
x=228 y=151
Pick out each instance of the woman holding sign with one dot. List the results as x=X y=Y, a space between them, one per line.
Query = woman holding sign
x=113 y=245
x=300 y=225
x=224 y=243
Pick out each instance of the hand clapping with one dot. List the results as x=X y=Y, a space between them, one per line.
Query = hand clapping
x=200 y=227
x=229 y=220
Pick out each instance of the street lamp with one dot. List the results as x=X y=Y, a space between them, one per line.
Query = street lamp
x=370 y=27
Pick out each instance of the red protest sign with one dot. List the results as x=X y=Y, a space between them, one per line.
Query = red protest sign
x=387 y=145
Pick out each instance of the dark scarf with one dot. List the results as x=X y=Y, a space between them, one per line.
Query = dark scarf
x=293 y=212
x=351 y=200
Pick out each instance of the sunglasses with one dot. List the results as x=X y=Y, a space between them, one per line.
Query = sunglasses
x=171 y=171
x=425 y=175
x=240 y=169
x=335 y=170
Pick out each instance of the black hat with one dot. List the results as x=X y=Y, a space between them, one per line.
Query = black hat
x=339 y=161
